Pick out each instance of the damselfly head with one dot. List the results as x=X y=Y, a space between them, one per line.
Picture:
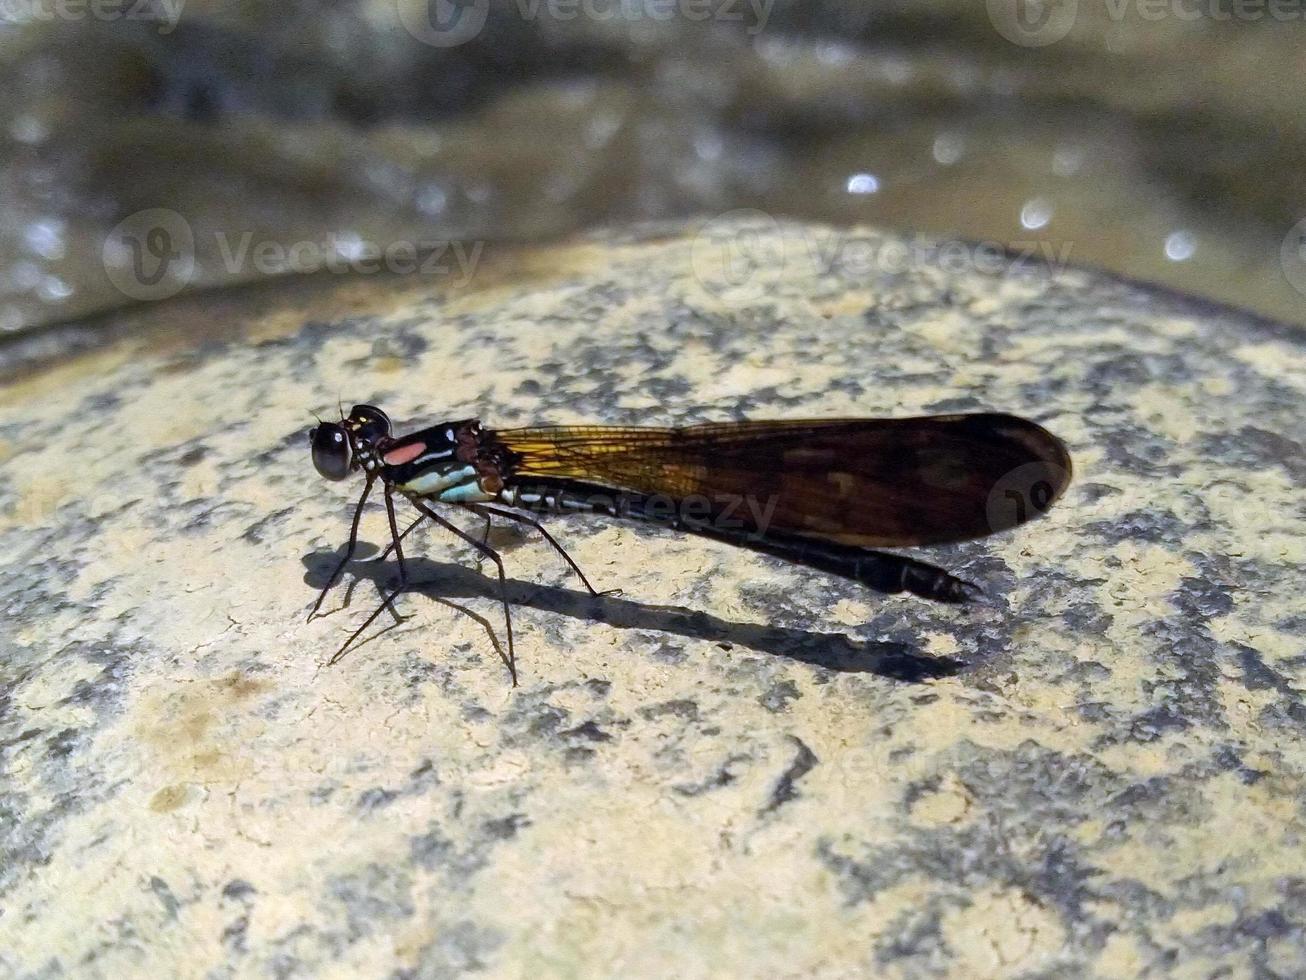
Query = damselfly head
x=339 y=447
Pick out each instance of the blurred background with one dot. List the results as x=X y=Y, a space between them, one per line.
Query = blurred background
x=154 y=147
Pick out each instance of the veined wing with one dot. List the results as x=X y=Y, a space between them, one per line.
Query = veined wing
x=866 y=482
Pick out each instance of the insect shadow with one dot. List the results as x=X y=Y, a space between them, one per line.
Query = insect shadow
x=448 y=581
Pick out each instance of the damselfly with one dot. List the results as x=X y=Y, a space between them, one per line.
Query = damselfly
x=819 y=493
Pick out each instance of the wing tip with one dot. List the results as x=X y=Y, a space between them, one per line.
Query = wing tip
x=1046 y=458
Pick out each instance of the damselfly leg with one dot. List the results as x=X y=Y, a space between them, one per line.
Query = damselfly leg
x=407 y=531
x=349 y=550
x=493 y=555
x=523 y=519
x=486 y=511
x=396 y=546
x=387 y=601
x=396 y=540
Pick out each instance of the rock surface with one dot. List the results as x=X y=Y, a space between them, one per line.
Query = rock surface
x=735 y=767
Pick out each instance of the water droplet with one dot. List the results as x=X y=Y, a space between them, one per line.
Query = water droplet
x=948 y=148
x=896 y=69
x=25 y=275
x=28 y=129
x=834 y=53
x=600 y=130
x=431 y=199
x=1067 y=160
x=863 y=184
x=54 y=290
x=708 y=145
x=11 y=319
x=1180 y=245
x=1036 y=213
x=349 y=245
x=45 y=237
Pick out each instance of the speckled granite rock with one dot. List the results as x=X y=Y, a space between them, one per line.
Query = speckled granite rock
x=734 y=768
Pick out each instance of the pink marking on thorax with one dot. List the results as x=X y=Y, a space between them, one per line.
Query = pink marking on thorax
x=404 y=454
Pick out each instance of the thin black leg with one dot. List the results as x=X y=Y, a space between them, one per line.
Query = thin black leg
x=522 y=519
x=349 y=550
x=349 y=592
x=485 y=539
x=493 y=555
x=396 y=543
x=387 y=601
x=395 y=536
x=391 y=547
x=385 y=604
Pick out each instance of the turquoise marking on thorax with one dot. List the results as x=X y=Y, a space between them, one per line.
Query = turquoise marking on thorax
x=458 y=486
x=465 y=493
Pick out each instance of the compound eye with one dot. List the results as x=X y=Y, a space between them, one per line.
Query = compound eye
x=372 y=423
x=332 y=453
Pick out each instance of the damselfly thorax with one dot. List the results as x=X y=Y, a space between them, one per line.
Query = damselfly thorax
x=820 y=493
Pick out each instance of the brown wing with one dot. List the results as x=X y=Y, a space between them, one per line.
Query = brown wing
x=867 y=482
